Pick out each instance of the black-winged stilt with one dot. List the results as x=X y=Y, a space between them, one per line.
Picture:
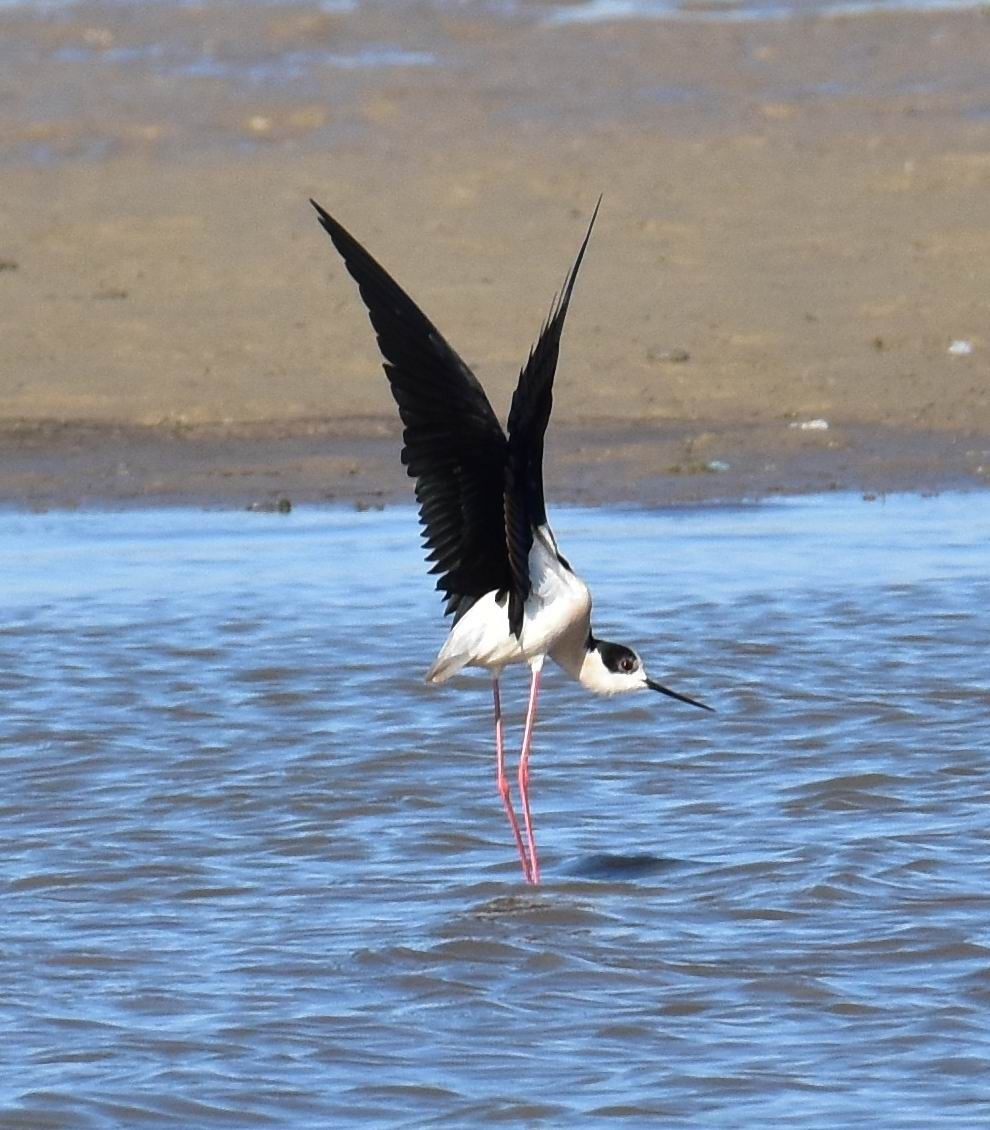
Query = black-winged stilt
x=513 y=596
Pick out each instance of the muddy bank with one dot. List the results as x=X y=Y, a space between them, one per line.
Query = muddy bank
x=796 y=226
x=266 y=465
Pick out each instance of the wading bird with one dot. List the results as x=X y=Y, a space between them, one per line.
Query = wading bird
x=513 y=597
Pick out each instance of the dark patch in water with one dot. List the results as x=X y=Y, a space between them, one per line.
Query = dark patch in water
x=619 y=867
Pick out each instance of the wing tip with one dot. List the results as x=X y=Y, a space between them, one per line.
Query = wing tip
x=327 y=222
x=569 y=286
x=561 y=300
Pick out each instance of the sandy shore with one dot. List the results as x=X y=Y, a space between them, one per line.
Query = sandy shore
x=796 y=227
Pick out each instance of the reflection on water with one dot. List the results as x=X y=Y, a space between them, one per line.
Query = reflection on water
x=257 y=873
x=567 y=11
x=100 y=79
x=739 y=11
x=268 y=69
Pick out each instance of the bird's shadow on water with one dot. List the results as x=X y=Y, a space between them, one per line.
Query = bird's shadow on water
x=608 y=867
x=563 y=883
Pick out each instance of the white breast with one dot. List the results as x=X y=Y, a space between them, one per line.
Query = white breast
x=559 y=606
x=556 y=618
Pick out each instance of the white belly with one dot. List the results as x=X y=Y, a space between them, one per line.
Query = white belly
x=558 y=612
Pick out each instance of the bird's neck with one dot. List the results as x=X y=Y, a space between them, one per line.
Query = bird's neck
x=594 y=675
x=582 y=661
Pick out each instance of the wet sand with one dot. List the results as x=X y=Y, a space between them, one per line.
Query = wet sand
x=796 y=227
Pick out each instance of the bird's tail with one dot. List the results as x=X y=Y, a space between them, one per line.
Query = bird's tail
x=444 y=666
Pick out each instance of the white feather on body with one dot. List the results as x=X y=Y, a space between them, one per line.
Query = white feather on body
x=556 y=622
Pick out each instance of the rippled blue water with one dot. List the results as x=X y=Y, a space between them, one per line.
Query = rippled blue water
x=256 y=873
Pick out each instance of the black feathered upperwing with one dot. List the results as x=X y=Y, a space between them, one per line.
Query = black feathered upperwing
x=525 y=506
x=454 y=446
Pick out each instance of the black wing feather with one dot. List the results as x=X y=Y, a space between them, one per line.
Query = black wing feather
x=525 y=505
x=454 y=446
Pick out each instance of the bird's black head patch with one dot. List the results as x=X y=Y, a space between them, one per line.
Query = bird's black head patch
x=617 y=657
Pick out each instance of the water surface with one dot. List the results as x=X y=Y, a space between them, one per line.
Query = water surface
x=256 y=873
x=565 y=11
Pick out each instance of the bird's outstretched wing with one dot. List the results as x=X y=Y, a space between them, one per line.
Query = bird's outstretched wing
x=525 y=506
x=454 y=446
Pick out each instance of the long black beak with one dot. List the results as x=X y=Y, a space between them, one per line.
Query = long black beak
x=680 y=697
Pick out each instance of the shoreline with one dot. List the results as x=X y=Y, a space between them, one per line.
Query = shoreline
x=58 y=465
x=796 y=227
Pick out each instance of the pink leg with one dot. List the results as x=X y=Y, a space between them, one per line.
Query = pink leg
x=503 y=784
x=534 y=690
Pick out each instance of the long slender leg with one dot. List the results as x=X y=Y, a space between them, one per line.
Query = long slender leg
x=534 y=690
x=503 y=783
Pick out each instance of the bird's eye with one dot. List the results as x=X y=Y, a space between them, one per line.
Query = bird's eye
x=627 y=665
